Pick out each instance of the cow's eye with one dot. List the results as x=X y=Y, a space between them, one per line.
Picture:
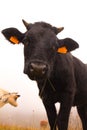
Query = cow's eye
x=25 y=41
x=54 y=48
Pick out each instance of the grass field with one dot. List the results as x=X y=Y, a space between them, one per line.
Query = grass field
x=21 y=128
x=6 y=127
x=74 y=124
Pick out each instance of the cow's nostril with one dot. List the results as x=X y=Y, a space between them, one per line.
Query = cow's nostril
x=44 y=70
x=31 y=68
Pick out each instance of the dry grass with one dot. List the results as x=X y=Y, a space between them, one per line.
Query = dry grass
x=74 y=124
x=8 y=127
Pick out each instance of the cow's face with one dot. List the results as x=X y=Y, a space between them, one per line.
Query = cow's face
x=40 y=47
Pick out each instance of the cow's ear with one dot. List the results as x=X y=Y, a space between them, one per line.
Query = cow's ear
x=66 y=45
x=13 y=35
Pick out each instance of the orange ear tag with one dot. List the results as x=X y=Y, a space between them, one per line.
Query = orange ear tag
x=14 y=40
x=62 y=50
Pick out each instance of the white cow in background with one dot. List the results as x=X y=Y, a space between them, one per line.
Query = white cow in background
x=7 y=97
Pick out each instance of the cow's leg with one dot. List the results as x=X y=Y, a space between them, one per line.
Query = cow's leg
x=51 y=114
x=82 y=111
x=63 y=116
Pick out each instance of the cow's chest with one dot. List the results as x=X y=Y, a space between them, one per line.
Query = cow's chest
x=52 y=92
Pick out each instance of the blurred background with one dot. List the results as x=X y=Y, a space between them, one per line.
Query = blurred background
x=71 y=14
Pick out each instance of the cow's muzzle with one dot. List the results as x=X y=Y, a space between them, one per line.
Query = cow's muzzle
x=36 y=70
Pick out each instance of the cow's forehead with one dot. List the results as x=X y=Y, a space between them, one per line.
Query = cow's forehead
x=40 y=34
x=38 y=29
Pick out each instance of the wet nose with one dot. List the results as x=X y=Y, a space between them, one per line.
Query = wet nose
x=38 y=69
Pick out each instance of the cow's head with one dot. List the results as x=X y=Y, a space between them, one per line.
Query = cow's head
x=41 y=46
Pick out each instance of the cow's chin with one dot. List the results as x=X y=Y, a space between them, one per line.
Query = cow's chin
x=37 y=78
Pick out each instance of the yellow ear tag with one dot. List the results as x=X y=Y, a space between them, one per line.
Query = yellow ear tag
x=62 y=50
x=14 y=40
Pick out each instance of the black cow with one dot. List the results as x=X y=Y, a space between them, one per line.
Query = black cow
x=60 y=76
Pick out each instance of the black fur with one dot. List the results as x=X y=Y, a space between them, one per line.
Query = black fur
x=64 y=79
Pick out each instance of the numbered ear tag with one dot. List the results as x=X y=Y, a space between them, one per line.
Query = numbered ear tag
x=62 y=50
x=14 y=40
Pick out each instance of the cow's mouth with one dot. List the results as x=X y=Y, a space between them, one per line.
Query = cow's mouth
x=37 y=76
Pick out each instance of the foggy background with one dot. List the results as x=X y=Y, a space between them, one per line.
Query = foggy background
x=71 y=14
